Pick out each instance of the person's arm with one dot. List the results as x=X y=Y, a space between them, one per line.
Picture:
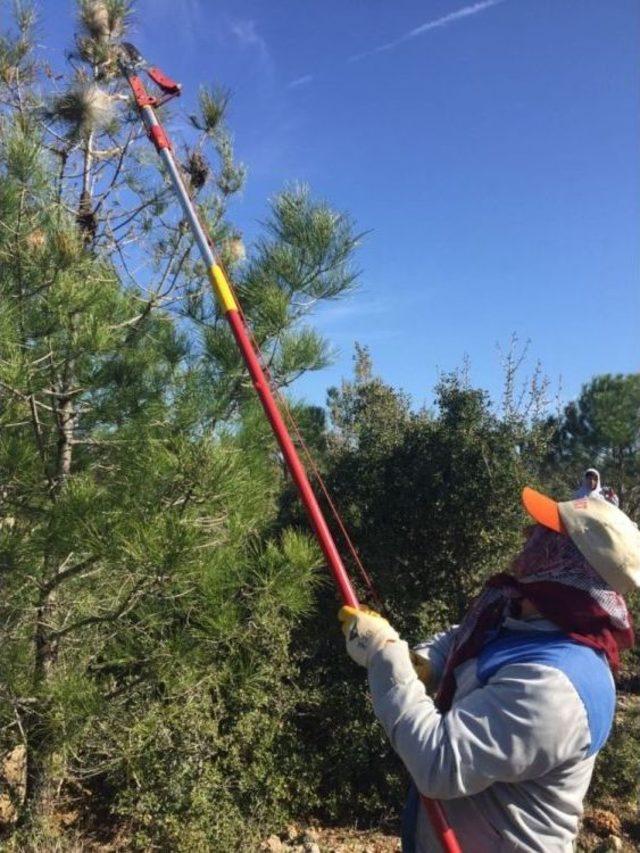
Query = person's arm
x=526 y=720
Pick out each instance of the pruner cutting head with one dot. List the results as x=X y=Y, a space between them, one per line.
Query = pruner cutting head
x=130 y=57
x=131 y=61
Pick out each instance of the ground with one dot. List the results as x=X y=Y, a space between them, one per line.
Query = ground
x=603 y=831
x=316 y=839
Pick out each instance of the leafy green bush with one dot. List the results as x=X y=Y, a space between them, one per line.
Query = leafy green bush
x=617 y=771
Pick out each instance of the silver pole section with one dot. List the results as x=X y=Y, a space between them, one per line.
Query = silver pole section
x=168 y=159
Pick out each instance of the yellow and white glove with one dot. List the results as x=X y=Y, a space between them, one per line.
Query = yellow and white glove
x=423 y=669
x=365 y=632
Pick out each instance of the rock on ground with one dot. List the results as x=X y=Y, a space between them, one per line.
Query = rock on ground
x=314 y=839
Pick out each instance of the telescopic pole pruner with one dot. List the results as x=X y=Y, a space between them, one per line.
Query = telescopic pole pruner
x=131 y=62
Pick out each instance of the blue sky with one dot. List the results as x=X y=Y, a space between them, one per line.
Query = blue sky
x=490 y=149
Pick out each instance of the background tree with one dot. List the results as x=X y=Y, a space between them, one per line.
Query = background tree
x=602 y=429
x=431 y=498
x=408 y=478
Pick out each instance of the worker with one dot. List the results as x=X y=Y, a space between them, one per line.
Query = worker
x=525 y=695
x=592 y=488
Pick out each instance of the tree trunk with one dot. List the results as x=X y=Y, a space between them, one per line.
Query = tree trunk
x=41 y=784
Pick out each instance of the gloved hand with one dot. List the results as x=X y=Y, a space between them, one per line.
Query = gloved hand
x=423 y=669
x=365 y=632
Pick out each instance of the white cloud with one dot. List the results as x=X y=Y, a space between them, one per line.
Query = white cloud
x=252 y=42
x=192 y=20
x=247 y=34
x=346 y=310
x=300 y=81
x=437 y=23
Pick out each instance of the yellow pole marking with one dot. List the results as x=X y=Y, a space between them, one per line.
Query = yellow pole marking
x=221 y=287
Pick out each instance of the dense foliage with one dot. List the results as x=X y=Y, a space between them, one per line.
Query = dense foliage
x=432 y=501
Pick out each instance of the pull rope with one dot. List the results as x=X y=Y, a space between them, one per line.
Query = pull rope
x=375 y=595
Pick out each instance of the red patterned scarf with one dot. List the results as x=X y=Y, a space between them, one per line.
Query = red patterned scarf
x=552 y=573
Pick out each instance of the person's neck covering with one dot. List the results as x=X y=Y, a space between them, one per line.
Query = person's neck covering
x=552 y=573
x=585 y=491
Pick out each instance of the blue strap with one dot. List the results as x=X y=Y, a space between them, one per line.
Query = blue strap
x=586 y=669
x=410 y=820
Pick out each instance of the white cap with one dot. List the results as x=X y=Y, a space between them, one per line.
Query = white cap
x=604 y=535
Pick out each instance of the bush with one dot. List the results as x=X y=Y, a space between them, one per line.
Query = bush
x=616 y=774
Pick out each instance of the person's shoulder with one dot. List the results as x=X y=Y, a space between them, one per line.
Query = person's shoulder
x=555 y=677
x=543 y=648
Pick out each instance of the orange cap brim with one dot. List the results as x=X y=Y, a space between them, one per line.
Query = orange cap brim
x=542 y=509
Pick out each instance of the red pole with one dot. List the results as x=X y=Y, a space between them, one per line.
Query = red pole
x=443 y=831
x=263 y=390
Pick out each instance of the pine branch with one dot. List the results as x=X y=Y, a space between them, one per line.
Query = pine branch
x=37 y=429
x=64 y=575
x=131 y=600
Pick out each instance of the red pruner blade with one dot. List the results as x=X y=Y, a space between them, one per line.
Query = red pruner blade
x=163 y=82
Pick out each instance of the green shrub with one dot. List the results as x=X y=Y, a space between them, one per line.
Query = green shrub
x=617 y=771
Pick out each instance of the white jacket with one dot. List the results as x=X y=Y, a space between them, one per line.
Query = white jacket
x=512 y=759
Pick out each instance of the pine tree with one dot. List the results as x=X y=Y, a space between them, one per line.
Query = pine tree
x=147 y=599
x=602 y=429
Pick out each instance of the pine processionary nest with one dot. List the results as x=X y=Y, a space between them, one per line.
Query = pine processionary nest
x=95 y=17
x=197 y=169
x=103 y=20
x=85 y=107
x=35 y=240
x=237 y=249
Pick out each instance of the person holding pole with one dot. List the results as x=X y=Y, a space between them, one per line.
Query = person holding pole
x=524 y=693
x=487 y=745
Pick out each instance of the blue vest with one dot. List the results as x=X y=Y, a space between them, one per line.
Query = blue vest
x=587 y=670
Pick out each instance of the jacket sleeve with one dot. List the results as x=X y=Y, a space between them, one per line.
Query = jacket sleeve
x=525 y=721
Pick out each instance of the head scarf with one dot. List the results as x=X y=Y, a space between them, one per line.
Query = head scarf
x=585 y=490
x=551 y=572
